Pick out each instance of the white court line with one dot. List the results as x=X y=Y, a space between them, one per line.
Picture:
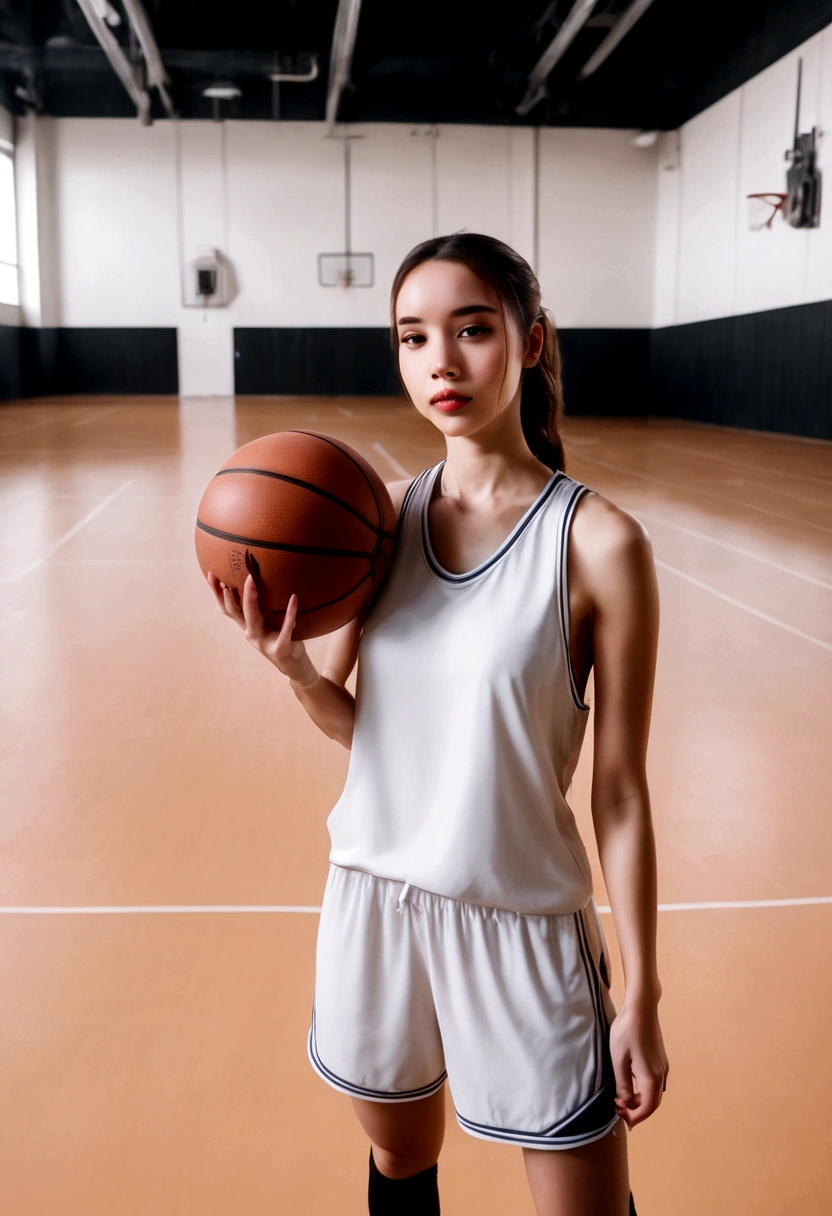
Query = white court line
x=625 y=471
x=57 y=420
x=809 y=900
x=30 y=426
x=82 y=523
x=746 y=607
x=391 y=460
x=152 y=908
x=127 y=561
x=102 y=413
x=724 y=544
x=745 y=431
x=124 y=450
x=130 y=498
x=743 y=464
x=156 y=909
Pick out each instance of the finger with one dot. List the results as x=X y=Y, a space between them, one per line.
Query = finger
x=232 y=604
x=623 y=1070
x=647 y=1100
x=290 y=616
x=252 y=614
x=214 y=584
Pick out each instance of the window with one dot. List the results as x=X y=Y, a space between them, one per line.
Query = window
x=8 y=229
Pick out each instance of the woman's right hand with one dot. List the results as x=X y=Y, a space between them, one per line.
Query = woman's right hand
x=288 y=656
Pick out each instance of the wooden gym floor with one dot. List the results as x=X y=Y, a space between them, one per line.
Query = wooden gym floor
x=163 y=845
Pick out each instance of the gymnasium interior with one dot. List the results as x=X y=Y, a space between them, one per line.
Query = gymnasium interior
x=202 y=208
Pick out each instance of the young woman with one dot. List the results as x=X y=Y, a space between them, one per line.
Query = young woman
x=459 y=936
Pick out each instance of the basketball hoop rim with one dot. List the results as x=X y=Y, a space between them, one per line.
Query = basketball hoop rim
x=769 y=198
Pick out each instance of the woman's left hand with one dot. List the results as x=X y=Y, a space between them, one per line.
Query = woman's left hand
x=639 y=1061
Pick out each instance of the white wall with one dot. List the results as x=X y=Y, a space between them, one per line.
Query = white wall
x=708 y=263
x=109 y=212
x=597 y=227
x=38 y=244
x=127 y=206
x=9 y=313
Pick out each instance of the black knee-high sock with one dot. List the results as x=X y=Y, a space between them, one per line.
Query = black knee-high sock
x=632 y=1206
x=415 y=1196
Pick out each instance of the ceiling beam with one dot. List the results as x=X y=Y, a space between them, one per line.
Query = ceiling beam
x=343 y=44
x=622 y=26
x=120 y=63
x=156 y=74
x=536 y=90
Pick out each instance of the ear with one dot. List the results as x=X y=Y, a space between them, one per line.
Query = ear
x=534 y=346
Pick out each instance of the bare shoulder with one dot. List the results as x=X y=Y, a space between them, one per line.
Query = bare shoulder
x=601 y=530
x=609 y=549
x=397 y=491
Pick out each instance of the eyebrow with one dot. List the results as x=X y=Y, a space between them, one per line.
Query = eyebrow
x=465 y=311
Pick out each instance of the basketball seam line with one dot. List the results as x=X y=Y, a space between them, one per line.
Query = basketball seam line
x=362 y=471
x=280 y=545
x=306 y=485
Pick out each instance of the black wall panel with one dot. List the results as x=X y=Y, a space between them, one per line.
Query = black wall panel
x=314 y=362
x=11 y=380
x=768 y=371
x=605 y=370
x=99 y=361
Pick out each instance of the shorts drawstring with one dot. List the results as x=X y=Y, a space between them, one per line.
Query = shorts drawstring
x=402 y=897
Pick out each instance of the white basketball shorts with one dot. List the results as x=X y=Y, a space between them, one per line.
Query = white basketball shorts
x=412 y=988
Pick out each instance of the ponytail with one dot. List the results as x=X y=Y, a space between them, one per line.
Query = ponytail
x=515 y=284
x=541 y=402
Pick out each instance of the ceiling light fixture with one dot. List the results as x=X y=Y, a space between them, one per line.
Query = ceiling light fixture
x=218 y=92
x=644 y=139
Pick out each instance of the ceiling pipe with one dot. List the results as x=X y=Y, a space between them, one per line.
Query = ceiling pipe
x=296 y=77
x=156 y=73
x=622 y=26
x=579 y=14
x=120 y=63
x=343 y=44
x=277 y=78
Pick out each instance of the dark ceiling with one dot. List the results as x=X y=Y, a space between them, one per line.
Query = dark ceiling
x=437 y=61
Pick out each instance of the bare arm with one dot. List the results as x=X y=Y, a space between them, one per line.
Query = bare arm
x=615 y=563
x=322 y=694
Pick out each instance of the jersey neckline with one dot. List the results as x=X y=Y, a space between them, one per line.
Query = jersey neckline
x=521 y=525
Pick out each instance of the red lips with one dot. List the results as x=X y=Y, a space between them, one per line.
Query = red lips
x=448 y=399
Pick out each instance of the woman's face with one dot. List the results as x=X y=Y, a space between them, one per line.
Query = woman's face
x=454 y=349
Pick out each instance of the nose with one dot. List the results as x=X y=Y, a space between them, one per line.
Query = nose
x=445 y=368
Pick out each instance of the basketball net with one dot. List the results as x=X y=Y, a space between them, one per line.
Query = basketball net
x=345 y=278
x=762 y=209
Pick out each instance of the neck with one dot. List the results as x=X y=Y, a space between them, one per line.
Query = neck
x=496 y=462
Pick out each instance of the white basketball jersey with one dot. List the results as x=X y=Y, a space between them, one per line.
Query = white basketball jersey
x=468 y=722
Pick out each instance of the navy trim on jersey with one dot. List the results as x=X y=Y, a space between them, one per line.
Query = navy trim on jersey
x=568 y=512
x=599 y=1036
x=361 y=1091
x=520 y=527
x=589 y=1122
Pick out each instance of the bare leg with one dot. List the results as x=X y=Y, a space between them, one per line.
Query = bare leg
x=406 y=1136
x=588 y=1181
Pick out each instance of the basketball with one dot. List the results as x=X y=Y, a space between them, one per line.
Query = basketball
x=305 y=514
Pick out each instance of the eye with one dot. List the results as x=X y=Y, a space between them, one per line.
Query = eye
x=475 y=330
x=407 y=339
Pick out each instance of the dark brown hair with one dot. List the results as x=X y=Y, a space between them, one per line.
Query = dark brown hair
x=515 y=285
